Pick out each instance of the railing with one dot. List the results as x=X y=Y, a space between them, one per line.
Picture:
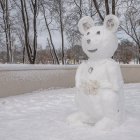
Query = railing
x=18 y=79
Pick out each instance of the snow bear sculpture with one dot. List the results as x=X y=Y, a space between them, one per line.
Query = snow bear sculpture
x=99 y=80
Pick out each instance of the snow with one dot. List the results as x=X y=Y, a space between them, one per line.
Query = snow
x=99 y=80
x=15 y=67
x=41 y=115
x=21 y=67
x=101 y=86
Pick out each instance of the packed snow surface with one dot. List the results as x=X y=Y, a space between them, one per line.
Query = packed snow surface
x=42 y=116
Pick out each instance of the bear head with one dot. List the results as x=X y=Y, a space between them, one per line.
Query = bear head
x=99 y=42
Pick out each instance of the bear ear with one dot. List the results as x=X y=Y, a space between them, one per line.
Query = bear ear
x=85 y=23
x=111 y=22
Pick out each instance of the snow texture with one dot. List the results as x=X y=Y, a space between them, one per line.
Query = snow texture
x=42 y=115
x=18 y=67
x=99 y=80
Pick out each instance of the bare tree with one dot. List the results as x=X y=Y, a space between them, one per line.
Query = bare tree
x=113 y=7
x=24 y=6
x=50 y=50
x=96 y=5
x=75 y=54
x=79 y=6
x=25 y=20
x=131 y=23
x=34 y=4
x=106 y=8
x=48 y=29
x=22 y=42
x=63 y=16
x=59 y=11
x=74 y=14
x=7 y=27
x=125 y=52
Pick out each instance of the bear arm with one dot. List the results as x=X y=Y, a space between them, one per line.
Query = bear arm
x=115 y=76
x=78 y=80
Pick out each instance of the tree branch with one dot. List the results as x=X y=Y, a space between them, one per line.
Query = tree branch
x=107 y=7
x=97 y=9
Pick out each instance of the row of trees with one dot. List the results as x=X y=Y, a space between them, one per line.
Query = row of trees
x=21 y=22
x=126 y=52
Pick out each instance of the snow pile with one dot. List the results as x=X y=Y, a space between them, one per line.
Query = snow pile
x=42 y=115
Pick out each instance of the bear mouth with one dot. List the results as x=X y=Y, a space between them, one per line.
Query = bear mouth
x=94 y=50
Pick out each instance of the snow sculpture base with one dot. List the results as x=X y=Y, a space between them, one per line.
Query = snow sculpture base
x=81 y=119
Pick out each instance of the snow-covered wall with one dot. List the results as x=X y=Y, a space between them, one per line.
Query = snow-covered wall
x=131 y=73
x=18 y=79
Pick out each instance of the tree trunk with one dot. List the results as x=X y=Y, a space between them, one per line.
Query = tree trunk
x=35 y=30
x=26 y=29
x=107 y=7
x=31 y=52
x=79 y=7
x=23 y=57
x=97 y=9
x=50 y=50
x=7 y=28
x=50 y=36
x=113 y=7
x=61 y=30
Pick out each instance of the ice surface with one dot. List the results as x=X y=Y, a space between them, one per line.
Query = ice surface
x=42 y=116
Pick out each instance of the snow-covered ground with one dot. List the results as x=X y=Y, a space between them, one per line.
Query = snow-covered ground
x=42 y=116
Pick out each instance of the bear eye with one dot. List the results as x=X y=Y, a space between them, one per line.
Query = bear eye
x=98 y=33
x=88 y=33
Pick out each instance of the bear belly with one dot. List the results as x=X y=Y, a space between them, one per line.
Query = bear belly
x=104 y=104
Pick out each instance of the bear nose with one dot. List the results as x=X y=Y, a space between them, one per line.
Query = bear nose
x=88 y=41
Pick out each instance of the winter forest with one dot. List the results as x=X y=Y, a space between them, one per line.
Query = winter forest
x=46 y=32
